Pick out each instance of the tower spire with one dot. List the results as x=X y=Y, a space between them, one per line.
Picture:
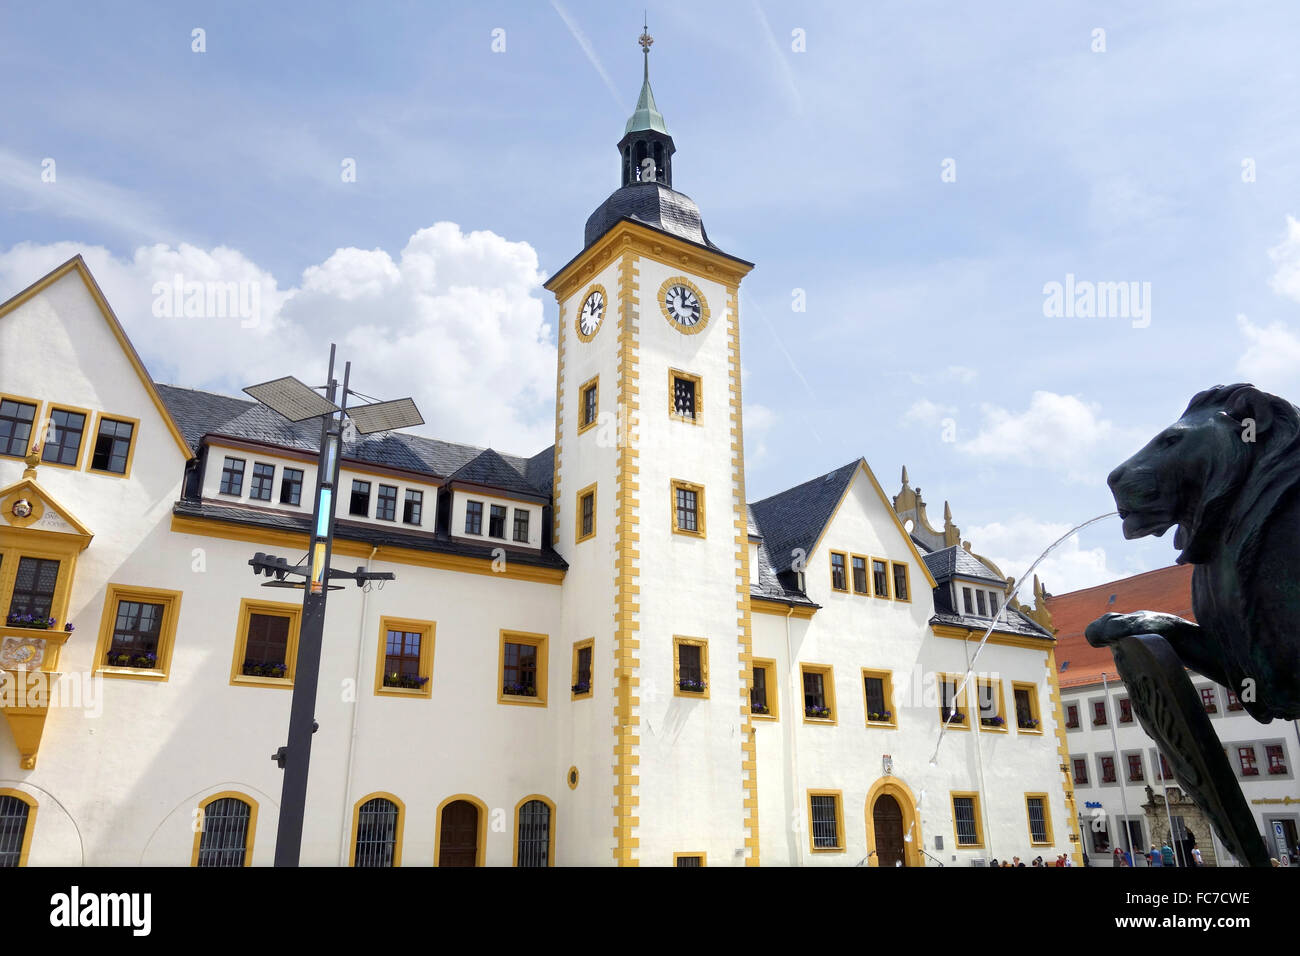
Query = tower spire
x=646 y=146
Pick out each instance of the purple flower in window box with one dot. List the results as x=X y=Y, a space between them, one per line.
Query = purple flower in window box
x=582 y=687
x=1029 y=723
x=691 y=685
x=68 y=627
x=955 y=716
x=758 y=708
x=405 y=681
x=27 y=619
x=992 y=721
x=819 y=712
x=883 y=716
x=519 y=690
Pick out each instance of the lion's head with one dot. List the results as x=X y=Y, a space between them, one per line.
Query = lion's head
x=1225 y=458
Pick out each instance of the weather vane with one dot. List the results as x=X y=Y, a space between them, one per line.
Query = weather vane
x=645 y=39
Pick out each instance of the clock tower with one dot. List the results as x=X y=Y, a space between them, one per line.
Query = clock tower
x=649 y=492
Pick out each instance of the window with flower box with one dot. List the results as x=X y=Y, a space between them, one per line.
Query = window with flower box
x=1246 y=757
x=952 y=709
x=1276 y=758
x=31 y=599
x=1026 y=699
x=405 y=664
x=1135 y=772
x=1125 y=710
x=826 y=821
x=818 y=693
x=878 y=695
x=1210 y=699
x=762 y=689
x=1158 y=759
x=522 y=673
x=266 y=644
x=1080 y=771
x=1099 y=713
x=581 y=687
x=992 y=712
x=690 y=667
x=1234 y=702
x=137 y=632
x=1107 y=768
x=1071 y=716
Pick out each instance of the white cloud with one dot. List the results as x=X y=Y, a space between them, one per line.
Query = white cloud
x=1286 y=255
x=926 y=412
x=1056 y=431
x=456 y=321
x=1014 y=545
x=758 y=420
x=1272 y=356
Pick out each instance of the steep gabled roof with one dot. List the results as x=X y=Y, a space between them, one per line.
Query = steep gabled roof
x=794 y=519
x=489 y=468
x=78 y=265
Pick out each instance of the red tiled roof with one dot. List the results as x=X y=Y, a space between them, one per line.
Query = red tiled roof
x=1168 y=589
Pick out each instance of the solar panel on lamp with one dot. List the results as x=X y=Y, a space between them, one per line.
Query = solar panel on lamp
x=292 y=399
x=385 y=416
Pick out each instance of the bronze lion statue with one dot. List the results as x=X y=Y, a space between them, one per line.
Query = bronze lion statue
x=1227 y=473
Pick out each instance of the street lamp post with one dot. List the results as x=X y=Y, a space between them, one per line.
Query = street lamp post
x=297 y=402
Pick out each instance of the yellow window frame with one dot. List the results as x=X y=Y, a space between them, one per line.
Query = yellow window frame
x=974 y=796
x=428 y=639
x=995 y=695
x=704 y=857
x=1033 y=707
x=247 y=608
x=703 y=644
x=840 y=837
x=130 y=452
x=887 y=680
x=397 y=831
x=1047 y=819
x=591 y=383
x=252 y=823
x=589 y=643
x=550 y=829
x=539 y=641
x=32 y=806
x=888 y=584
x=171 y=602
x=827 y=673
x=852 y=580
x=961 y=704
x=907 y=580
x=675 y=374
x=46 y=423
x=768 y=666
x=578 y=536
x=844 y=558
x=37 y=419
x=699 y=507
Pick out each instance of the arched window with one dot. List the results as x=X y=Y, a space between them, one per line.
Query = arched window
x=226 y=825
x=377 y=828
x=534 y=832
x=17 y=820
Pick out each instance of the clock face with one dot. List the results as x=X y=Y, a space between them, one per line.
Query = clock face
x=683 y=305
x=593 y=310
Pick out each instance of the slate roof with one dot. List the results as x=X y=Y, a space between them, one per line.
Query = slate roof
x=651 y=204
x=1011 y=621
x=367 y=533
x=199 y=414
x=793 y=519
x=1166 y=589
x=956 y=561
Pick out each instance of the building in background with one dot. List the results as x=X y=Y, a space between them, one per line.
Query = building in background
x=1097 y=703
x=748 y=683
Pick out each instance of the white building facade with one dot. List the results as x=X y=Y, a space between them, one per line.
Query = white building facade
x=601 y=654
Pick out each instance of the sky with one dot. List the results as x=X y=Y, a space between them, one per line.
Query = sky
x=910 y=178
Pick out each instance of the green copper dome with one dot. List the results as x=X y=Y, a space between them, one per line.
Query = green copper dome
x=647 y=115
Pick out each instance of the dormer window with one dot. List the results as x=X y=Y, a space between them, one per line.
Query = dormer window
x=360 y=504
x=263 y=478
x=981 y=604
x=968 y=600
x=291 y=486
x=473 y=517
x=497 y=522
x=386 y=503
x=232 y=477
x=412 y=507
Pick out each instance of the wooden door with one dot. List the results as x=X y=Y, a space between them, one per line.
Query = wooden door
x=458 y=840
x=887 y=818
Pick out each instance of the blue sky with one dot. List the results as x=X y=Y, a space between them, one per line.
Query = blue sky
x=924 y=297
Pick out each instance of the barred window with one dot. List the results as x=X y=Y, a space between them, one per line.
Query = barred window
x=825 y=822
x=63 y=441
x=688 y=859
x=964 y=810
x=687 y=502
x=683 y=397
x=259 y=489
x=14 y=814
x=232 y=477
x=224 y=839
x=376 y=837
x=1037 y=820
x=534 y=834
